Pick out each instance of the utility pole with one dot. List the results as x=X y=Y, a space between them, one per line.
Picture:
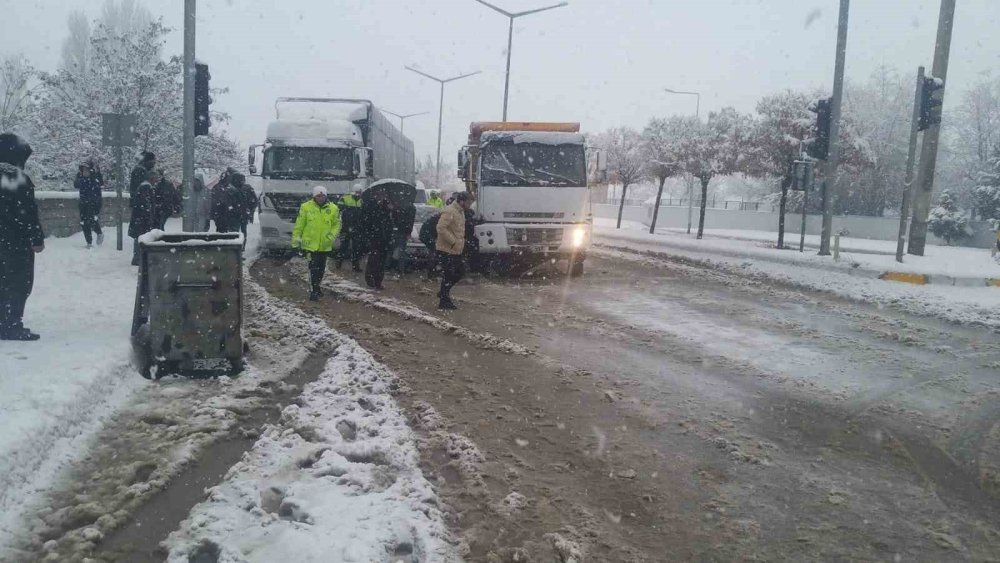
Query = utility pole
x=188 y=157
x=442 y=82
x=697 y=99
x=929 y=148
x=910 y=156
x=830 y=179
x=510 y=39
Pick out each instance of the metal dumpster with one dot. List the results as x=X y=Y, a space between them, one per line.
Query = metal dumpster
x=189 y=303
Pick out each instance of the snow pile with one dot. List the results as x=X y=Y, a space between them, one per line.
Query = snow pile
x=54 y=393
x=967 y=305
x=337 y=479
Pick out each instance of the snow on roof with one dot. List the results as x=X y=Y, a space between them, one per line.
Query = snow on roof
x=156 y=238
x=535 y=137
x=314 y=132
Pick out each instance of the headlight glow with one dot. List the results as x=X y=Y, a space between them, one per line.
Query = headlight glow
x=579 y=235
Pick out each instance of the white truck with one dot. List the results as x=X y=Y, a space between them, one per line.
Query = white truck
x=339 y=143
x=532 y=199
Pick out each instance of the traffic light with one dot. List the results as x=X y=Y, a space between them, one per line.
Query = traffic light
x=201 y=99
x=820 y=147
x=931 y=98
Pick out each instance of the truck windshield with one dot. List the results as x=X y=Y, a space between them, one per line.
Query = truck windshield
x=314 y=163
x=530 y=164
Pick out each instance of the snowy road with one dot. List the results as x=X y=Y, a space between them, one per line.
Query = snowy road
x=665 y=408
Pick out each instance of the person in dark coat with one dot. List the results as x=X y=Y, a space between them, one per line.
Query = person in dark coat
x=168 y=200
x=248 y=202
x=428 y=236
x=403 y=218
x=227 y=205
x=145 y=215
x=21 y=237
x=141 y=171
x=377 y=229
x=88 y=184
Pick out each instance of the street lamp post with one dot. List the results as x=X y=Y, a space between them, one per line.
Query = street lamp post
x=404 y=117
x=697 y=112
x=510 y=39
x=442 y=82
x=697 y=95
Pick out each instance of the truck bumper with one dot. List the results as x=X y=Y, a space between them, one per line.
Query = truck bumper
x=275 y=232
x=534 y=239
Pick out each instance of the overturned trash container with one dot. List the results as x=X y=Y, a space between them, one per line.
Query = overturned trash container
x=189 y=304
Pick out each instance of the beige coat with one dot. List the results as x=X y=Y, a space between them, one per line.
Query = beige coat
x=451 y=230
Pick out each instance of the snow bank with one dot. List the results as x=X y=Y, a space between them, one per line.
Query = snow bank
x=54 y=393
x=337 y=479
x=969 y=305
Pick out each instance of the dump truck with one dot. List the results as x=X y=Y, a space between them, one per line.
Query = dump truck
x=532 y=200
x=343 y=144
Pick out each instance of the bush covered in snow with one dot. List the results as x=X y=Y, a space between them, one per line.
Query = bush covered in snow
x=947 y=221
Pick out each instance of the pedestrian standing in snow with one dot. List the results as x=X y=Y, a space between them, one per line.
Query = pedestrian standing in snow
x=21 y=237
x=168 y=200
x=316 y=227
x=434 y=200
x=201 y=203
x=450 y=246
x=227 y=205
x=88 y=184
x=141 y=171
x=377 y=226
x=248 y=202
x=403 y=218
x=145 y=216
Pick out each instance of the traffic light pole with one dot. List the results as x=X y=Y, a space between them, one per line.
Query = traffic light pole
x=830 y=179
x=929 y=148
x=910 y=156
x=188 y=149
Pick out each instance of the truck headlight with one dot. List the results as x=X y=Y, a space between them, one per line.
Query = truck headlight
x=579 y=236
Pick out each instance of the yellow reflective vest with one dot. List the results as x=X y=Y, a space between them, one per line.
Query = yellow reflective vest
x=435 y=201
x=350 y=200
x=316 y=227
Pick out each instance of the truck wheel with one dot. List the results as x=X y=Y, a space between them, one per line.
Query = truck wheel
x=498 y=267
x=235 y=366
x=576 y=270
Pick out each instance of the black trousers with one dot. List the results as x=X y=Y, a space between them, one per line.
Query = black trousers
x=350 y=248
x=17 y=277
x=452 y=271
x=91 y=223
x=317 y=267
x=375 y=267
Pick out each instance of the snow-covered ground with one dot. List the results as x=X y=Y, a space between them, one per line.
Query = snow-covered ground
x=975 y=305
x=55 y=392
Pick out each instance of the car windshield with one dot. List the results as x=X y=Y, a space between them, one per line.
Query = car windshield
x=421 y=197
x=531 y=164
x=308 y=163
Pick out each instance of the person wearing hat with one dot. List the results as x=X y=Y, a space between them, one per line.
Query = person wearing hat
x=316 y=227
x=138 y=175
x=227 y=204
x=450 y=245
x=377 y=226
x=145 y=214
x=168 y=199
x=248 y=201
x=89 y=183
x=21 y=237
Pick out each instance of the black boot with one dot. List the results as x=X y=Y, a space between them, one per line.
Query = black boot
x=315 y=294
x=18 y=333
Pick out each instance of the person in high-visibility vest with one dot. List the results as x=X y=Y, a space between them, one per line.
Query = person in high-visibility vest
x=350 y=245
x=434 y=200
x=316 y=227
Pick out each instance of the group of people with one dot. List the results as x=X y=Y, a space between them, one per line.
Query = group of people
x=230 y=203
x=380 y=228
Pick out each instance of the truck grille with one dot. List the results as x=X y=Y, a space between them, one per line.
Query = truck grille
x=532 y=215
x=528 y=235
x=286 y=205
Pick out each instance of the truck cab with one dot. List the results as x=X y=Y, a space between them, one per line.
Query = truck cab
x=532 y=199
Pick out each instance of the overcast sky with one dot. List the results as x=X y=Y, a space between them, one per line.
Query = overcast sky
x=599 y=62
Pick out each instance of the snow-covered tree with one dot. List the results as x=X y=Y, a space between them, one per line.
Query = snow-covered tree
x=16 y=93
x=626 y=163
x=986 y=196
x=125 y=72
x=716 y=147
x=947 y=221
x=661 y=149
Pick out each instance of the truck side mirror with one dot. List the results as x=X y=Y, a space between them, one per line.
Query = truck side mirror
x=252 y=159
x=463 y=156
x=363 y=165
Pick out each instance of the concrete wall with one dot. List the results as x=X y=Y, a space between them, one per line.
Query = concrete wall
x=610 y=211
x=60 y=212
x=878 y=228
